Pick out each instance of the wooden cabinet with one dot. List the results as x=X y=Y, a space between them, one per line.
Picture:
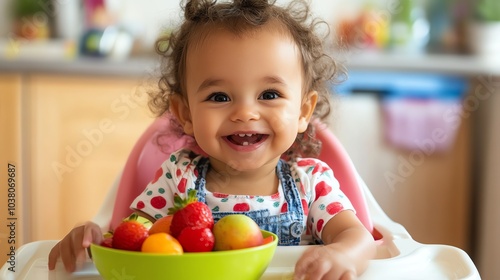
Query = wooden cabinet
x=487 y=133
x=427 y=191
x=79 y=131
x=10 y=162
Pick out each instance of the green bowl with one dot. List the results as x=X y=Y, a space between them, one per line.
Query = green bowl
x=242 y=264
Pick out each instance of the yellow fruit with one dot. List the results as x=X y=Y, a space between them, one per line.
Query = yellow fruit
x=161 y=225
x=236 y=231
x=162 y=243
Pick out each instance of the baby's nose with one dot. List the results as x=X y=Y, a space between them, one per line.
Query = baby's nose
x=245 y=112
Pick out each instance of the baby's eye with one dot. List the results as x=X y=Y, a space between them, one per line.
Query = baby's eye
x=218 y=97
x=269 y=94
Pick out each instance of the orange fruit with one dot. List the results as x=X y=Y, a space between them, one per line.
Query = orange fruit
x=162 y=243
x=161 y=225
x=268 y=239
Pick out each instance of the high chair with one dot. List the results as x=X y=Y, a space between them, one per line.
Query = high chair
x=398 y=255
x=146 y=157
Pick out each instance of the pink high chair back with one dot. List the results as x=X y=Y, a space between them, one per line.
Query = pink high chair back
x=146 y=157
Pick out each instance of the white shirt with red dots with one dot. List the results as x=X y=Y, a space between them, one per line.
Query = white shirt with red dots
x=320 y=194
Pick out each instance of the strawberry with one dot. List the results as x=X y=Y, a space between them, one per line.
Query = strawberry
x=196 y=239
x=107 y=242
x=130 y=234
x=189 y=212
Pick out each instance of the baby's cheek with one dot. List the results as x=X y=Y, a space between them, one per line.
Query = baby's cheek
x=277 y=124
x=283 y=122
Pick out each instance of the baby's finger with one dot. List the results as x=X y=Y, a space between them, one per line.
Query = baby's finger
x=91 y=234
x=53 y=256
x=319 y=269
x=303 y=264
x=349 y=275
x=68 y=254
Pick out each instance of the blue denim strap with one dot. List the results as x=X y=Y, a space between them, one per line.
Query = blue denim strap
x=288 y=226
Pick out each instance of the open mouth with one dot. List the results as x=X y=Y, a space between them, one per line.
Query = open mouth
x=243 y=139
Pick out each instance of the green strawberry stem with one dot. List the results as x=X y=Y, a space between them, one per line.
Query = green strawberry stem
x=180 y=203
x=132 y=217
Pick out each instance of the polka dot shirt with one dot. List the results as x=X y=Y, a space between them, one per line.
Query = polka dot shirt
x=320 y=194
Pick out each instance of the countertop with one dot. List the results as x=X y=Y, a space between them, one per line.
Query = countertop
x=82 y=66
x=464 y=65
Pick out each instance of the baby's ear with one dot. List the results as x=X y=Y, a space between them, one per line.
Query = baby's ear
x=307 y=109
x=180 y=109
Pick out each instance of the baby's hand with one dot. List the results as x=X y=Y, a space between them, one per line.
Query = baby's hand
x=325 y=262
x=73 y=246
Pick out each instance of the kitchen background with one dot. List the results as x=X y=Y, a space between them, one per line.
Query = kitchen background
x=417 y=111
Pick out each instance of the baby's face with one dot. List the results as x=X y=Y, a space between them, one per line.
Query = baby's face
x=245 y=97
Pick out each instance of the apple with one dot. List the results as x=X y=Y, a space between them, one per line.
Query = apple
x=236 y=231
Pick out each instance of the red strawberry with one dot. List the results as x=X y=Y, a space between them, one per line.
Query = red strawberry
x=189 y=212
x=196 y=239
x=130 y=234
x=107 y=242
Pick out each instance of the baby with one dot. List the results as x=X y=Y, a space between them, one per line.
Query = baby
x=246 y=79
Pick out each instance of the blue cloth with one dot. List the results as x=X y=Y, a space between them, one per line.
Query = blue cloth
x=287 y=226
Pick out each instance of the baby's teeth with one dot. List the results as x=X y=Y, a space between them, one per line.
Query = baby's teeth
x=243 y=135
x=245 y=144
x=249 y=135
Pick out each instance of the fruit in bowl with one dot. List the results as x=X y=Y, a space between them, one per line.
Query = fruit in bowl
x=130 y=234
x=242 y=264
x=181 y=246
x=191 y=223
x=236 y=231
x=189 y=212
x=161 y=225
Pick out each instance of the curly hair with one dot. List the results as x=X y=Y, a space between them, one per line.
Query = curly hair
x=238 y=17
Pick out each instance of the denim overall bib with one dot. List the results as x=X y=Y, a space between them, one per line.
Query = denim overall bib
x=287 y=226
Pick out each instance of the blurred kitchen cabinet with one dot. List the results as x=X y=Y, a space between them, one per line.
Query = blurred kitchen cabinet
x=431 y=195
x=80 y=130
x=487 y=133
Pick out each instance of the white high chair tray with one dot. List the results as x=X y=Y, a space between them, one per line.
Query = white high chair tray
x=419 y=262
